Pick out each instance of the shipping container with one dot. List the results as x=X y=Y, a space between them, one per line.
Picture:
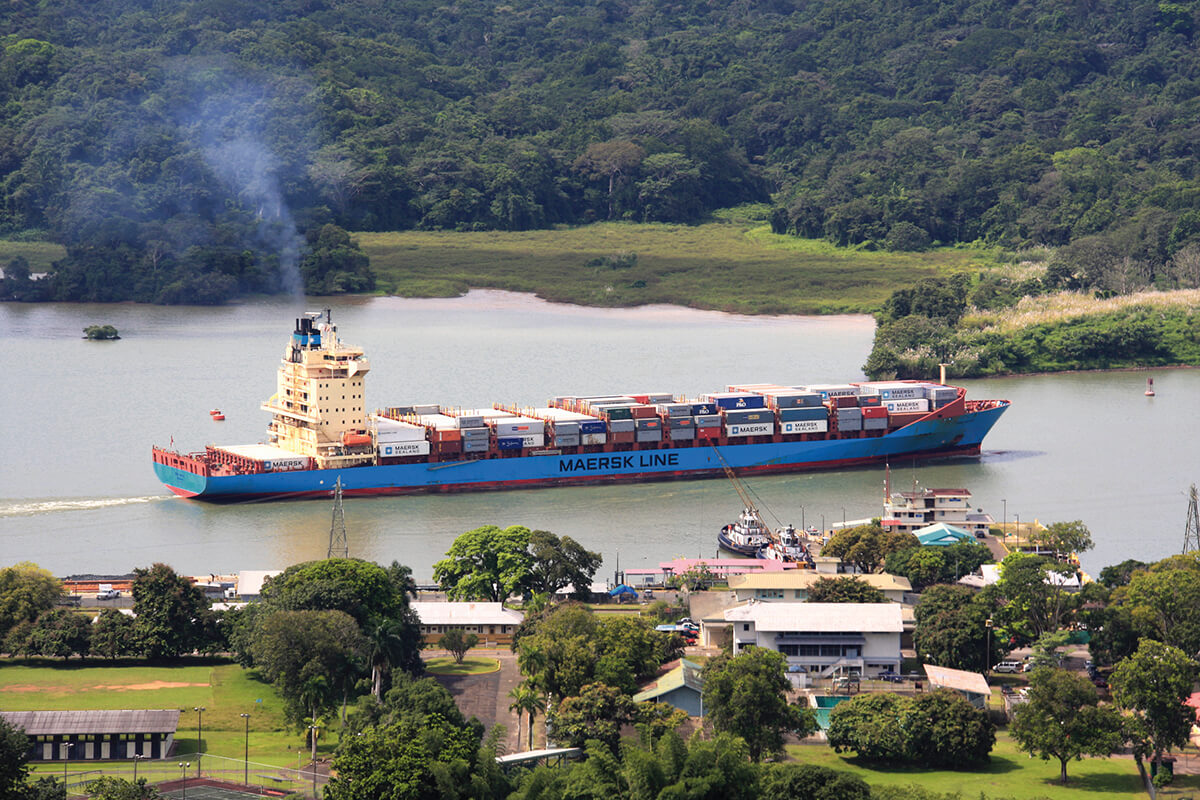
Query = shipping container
x=797 y=414
x=615 y=412
x=621 y=426
x=643 y=412
x=735 y=400
x=475 y=433
x=941 y=404
x=703 y=409
x=426 y=408
x=519 y=426
x=622 y=437
x=651 y=435
x=793 y=399
x=708 y=433
x=850 y=425
x=849 y=413
x=900 y=419
x=943 y=393
x=682 y=434
x=564 y=427
x=649 y=424
x=905 y=406
x=749 y=417
x=844 y=401
x=875 y=423
x=509 y=443
x=449 y=448
x=674 y=409
x=592 y=427
x=470 y=446
x=533 y=440
x=805 y=426
x=447 y=435
x=403 y=449
x=874 y=412
x=679 y=423
x=473 y=421
x=566 y=440
x=708 y=420
x=828 y=390
x=593 y=438
x=865 y=400
x=754 y=429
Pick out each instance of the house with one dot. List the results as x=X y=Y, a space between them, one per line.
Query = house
x=720 y=568
x=942 y=534
x=907 y=512
x=87 y=735
x=491 y=622
x=970 y=685
x=681 y=687
x=823 y=638
x=250 y=582
x=794 y=585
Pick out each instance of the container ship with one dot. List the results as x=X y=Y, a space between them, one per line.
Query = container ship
x=321 y=433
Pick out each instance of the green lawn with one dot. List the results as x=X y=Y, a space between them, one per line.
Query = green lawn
x=471 y=665
x=223 y=689
x=40 y=255
x=733 y=265
x=1010 y=774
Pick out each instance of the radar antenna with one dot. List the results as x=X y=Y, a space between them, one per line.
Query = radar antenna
x=1191 y=532
x=338 y=548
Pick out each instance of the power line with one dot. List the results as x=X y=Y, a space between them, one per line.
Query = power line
x=1191 y=532
x=338 y=547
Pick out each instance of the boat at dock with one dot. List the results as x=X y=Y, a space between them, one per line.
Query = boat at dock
x=746 y=536
x=321 y=431
x=787 y=545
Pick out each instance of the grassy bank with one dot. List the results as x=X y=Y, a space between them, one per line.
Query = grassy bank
x=1009 y=774
x=225 y=690
x=40 y=255
x=734 y=265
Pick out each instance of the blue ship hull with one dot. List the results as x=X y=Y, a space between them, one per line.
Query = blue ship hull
x=926 y=438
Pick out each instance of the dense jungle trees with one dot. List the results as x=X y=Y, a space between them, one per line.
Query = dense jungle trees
x=198 y=157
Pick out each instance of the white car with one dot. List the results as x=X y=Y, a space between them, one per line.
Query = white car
x=1009 y=666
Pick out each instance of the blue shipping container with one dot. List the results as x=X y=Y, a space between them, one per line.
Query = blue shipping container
x=800 y=414
x=509 y=442
x=741 y=401
x=592 y=427
x=703 y=409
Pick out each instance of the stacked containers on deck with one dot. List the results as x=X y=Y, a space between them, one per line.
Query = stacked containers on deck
x=940 y=396
x=677 y=421
x=516 y=433
x=749 y=422
x=443 y=430
x=804 y=419
x=565 y=426
x=708 y=420
x=397 y=439
x=618 y=418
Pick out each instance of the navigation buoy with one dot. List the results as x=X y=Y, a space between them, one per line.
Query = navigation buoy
x=1149 y=387
x=216 y=415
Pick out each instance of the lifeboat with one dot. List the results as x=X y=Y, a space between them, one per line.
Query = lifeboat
x=216 y=415
x=355 y=439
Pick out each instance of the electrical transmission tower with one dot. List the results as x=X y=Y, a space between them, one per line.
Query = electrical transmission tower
x=338 y=548
x=1191 y=533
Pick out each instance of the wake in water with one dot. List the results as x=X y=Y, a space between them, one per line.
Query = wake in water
x=17 y=508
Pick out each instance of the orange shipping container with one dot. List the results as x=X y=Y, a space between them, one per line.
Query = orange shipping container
x=447 y=435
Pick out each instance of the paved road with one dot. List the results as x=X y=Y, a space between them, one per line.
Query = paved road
x=486 y=696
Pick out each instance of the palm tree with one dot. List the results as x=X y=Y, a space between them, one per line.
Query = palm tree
x=526 y=698
x=385 y=648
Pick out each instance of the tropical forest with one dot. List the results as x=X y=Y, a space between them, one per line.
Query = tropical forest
x=201 y=150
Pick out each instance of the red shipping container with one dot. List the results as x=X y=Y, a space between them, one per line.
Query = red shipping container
x=622 y=437
x=642 y=412
x=708 y=433
x=874 y=412
x=907 y=418
x=848 y=401
x=449 y=447
x=447 y=435
x=641 y=398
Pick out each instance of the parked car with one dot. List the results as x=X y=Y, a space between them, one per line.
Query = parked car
x=108 y=594
x=890 y=677
x=1009 y=666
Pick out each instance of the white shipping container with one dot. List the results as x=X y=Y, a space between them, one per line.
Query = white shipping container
x=754 y=429
x=519 y=426
x=905 y=406
x=400 y=449
x=833 y=389
x=805 y=426
x=593 y=438
x=533 y=440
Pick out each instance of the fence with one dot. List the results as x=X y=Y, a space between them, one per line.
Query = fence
x=258 y=778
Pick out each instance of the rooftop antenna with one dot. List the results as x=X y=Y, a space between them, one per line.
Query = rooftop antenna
x=1191 y=532
x=338 y=548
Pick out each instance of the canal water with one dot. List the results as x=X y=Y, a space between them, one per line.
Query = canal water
x=77 y=493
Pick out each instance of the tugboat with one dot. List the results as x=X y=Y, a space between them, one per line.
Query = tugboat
x=747 y=536
x=786 y=545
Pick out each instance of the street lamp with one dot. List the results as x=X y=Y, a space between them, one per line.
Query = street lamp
x=246 y=778
x=843 y=517
x=312 y=732
x=66 y=757
x=199 y=734
x=1018 y=528
x=183 y=771
x=987 y=653
x=1005 y=526
x=136 y=758
x=822 y=524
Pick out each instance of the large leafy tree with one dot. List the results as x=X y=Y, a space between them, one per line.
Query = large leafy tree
x=486 y=563
x=867 y=546
x=746 y=695
x=559 y=562
x=113 y=634
x=312 y=658
x=1164 y=603
x=61 y=634
x=951 y=629
x=939 y=728
x=844 y=589
x=1152 y=685
x=792 y=781
x=1061 y=718
x=26 y=590
x=172 y=614
x=1029 y=596
x=14 y=754
x=1064 y=538
x=359 y=588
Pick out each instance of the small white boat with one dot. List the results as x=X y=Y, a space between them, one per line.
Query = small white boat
x=786 y=545
x=746 y=536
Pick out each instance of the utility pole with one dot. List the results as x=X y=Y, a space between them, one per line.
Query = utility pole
x=1191 y=532
x=338 y=548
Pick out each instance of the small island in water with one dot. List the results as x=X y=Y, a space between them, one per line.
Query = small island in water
x=101 y=333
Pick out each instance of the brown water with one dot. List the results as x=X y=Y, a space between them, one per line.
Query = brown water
x=77 y=493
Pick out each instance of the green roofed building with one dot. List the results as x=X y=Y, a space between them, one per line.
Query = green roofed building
x=681 y=687
x=940 y=534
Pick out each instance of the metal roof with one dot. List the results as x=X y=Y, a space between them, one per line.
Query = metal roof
x=686 y=674
x=960 y=680
x=51 y=723
x=820 y=617
x=805 y=578
x=460 y=613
